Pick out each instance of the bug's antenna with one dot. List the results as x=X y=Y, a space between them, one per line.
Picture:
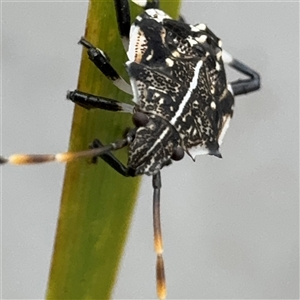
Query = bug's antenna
x=158 y=244
x=25 y=159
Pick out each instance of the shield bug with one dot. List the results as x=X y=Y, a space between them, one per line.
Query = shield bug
x=182 y=100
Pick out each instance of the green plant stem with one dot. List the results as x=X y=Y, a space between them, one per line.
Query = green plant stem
x=97 y=203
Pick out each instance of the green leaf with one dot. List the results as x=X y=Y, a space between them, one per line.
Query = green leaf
x=97 y=203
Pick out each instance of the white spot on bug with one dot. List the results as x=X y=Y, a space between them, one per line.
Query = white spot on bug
x=102 y=52
x=191 y=41
x=212 y=89
x=219 y=55
x=200 y=26
x=218 y=66
x=175 y=53
x=194 y=28
x=190 y=130
x=198 y=150
x=229 y=88
x=220 y=43
x=226 y=120
x=202 y=39
x=163 y=35
x=141 y=3
x=158 y=90
x=169 y=62
x=213 y=105
x=151 y=126
x=149 y=56
x=157 y=14
x=227 y=58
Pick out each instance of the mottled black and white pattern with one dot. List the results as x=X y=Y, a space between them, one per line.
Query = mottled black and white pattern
x=178 y=78
x=152 y=146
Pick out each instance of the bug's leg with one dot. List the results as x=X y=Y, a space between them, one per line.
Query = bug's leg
x=110 y=159
x=24 y=159
x=101 y=61
x=89 y=101
x=158 y=244
x=241 y=86
x=123 y=19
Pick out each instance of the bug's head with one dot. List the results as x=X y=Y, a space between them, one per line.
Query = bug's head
x=154 y=145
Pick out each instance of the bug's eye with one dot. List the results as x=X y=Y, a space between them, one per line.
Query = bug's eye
x=139 y=119
x=178 y=154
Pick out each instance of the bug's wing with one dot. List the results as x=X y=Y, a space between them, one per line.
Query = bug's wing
x=179 y=75
x=205 y=116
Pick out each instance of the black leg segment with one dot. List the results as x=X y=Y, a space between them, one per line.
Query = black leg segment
x=110 y=159
x=123 y=19
x=244 y=86
x=89 y=101
x=101 y=61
